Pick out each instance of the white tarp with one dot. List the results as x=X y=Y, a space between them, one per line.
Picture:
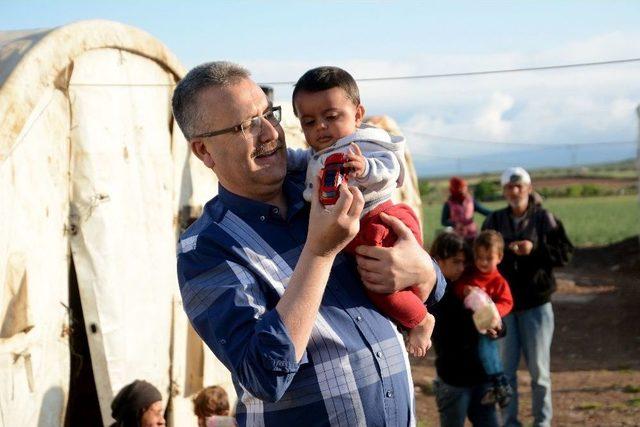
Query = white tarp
x=93 y=168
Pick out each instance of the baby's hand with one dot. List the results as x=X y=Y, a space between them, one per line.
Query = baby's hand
x=495 y=331
x=356 y=161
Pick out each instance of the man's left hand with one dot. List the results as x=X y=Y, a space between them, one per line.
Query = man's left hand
x=387 y=270
x=521 y=247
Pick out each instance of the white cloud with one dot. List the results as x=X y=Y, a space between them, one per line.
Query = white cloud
x=491 y=119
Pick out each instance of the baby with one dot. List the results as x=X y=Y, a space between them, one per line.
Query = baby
x=487 y=293
x=326 y=100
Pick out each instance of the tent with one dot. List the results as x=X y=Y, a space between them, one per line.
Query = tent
x=96 y=182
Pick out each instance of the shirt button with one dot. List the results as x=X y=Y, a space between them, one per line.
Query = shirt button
x=223 y=341
x=262 y=218
x=358 y=318
x=389 y=393
x=379 y=354
x=275 y=210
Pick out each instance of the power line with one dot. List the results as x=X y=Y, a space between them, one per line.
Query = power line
x=480 y=73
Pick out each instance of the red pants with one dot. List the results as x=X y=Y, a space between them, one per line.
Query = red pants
x=403 y=306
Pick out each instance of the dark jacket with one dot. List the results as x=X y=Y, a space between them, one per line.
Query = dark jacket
x=455 y=340
x=530 y=277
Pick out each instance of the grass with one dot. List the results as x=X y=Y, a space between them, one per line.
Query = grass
x=588 y=406
x=588 y=220
x=634 y=403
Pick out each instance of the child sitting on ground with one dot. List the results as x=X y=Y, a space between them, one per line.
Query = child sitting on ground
x=211 y=406
x=326 y=100
x=484 y=280
x=481 y=281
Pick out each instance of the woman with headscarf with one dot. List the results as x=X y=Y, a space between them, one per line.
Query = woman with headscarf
x=458 y=210
x=138 y=404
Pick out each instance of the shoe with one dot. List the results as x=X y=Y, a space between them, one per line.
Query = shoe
x=489 y=397
x=503 y=394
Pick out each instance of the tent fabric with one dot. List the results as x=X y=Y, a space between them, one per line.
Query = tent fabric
x=92 y=169
x=36 y=61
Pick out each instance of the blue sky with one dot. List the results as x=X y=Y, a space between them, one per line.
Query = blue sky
x=499 y=116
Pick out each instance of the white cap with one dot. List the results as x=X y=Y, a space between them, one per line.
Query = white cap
x=515 y=175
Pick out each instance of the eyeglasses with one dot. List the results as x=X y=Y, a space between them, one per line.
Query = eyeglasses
x=252 y=126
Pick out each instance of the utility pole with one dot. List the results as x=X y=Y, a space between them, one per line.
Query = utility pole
x=638 y=160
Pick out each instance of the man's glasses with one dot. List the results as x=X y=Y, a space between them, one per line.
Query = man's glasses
x=250 y=127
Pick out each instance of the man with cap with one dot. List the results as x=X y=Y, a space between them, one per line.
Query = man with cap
x=138 y=404
x=532 y=250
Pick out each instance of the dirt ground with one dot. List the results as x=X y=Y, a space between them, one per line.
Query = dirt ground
x=596 y=347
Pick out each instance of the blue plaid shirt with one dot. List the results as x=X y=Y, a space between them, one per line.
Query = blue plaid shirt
x=234 y=263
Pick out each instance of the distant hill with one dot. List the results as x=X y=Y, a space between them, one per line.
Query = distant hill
x=624 y=169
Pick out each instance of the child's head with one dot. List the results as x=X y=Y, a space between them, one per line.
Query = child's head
x=451 y=252
x=488 y=249
x=326 y=100
x=211 y=401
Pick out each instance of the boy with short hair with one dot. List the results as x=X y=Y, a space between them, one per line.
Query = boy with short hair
x=326 y=100
x=481 y=281
x=211 y=406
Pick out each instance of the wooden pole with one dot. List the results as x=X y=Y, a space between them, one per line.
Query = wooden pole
x=638 y=161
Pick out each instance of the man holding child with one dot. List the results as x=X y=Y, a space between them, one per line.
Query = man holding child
x=264 y=281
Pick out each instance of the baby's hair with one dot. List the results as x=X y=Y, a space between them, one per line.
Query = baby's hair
x=489 y=239
x=325 y=78
x=210 y=401
x=448 y=245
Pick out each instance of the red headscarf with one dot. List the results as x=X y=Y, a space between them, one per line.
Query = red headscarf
x=457 y=189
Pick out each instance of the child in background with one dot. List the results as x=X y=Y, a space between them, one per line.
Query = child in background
x=211 y=406
x=461 y=381
x=488 y=250
x=326 y=100
x=458 y=210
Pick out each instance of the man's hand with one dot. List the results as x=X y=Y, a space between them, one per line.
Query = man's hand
x=356 y=161
x=330 y=229
x=521 y=247
x=387 y=270
x=329 y=232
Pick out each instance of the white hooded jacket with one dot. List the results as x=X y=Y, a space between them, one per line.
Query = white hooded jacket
x=384 y=166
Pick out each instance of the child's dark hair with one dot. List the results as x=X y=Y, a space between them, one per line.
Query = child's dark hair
x=325 y=78
x=448 y=245
x=210 y=401
x=489 y=239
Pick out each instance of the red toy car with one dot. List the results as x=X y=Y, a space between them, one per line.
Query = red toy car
x=332 y=176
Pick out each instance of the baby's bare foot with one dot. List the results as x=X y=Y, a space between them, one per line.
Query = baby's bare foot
x=420 y=337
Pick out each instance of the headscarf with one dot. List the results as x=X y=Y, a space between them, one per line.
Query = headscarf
x=456 y=189
x=131 y=400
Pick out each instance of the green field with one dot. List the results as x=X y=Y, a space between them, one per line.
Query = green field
x=588 y=220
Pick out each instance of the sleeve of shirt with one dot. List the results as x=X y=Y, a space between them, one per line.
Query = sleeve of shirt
x=445 y=218
x=298 y=159
x=381 y=167
x=458 y=287
x=438 y=289
x=480 y=208
x=502 y=297
x=227 y=308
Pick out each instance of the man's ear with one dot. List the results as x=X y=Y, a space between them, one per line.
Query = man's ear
x=359 y=114
x=199 y=148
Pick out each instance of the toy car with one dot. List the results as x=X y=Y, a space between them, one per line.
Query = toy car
x=333 y=174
